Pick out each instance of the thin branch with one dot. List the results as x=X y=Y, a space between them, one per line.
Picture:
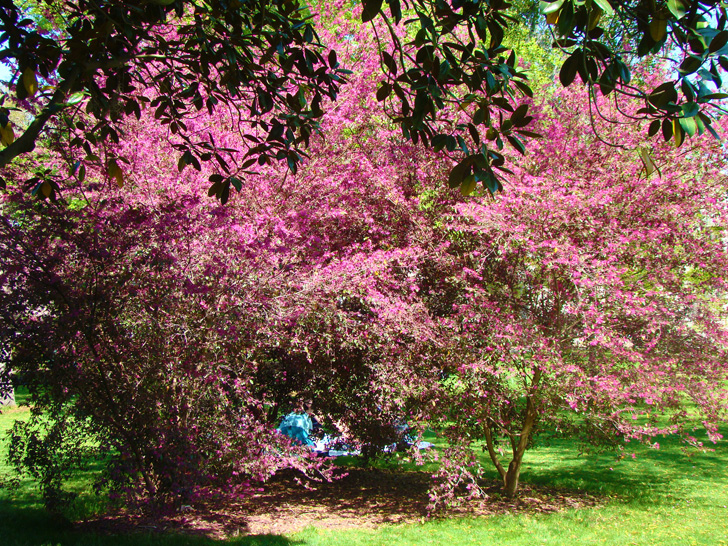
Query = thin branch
x=26 y=142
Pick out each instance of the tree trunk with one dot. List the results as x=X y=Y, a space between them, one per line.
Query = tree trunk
x=510 y=480
x=7 y=396
x=510 y=477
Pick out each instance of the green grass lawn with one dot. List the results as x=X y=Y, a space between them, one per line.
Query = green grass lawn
x=662 y=497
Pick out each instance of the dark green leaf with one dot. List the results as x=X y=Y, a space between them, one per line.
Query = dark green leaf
x=395 y=9
x=523 y=121
x=663 y=94
x=624 y=72
x=236 y=182
x=690 y=64
x=474 y=133
x=687 y=89
x=697 y=46
x=389 y=62
x=463 y=145
x=496 y=34
x=566 y=19
x=370 y=9
x=707 y=124
x=607 y=81
x=715 y=96
x=517 y=144
x=20 y=91
x=690 y=109
x=214 y=189
x=384 y=91
x=654 y=128
x=688 y=125
x=491 y=182
x=529 y=134
x=479 y=116
x=646 y=44
x=569 y=68
x=525 y=89
x=481 y=27
x=225 y=192
x=459 y=172
x=519 y=113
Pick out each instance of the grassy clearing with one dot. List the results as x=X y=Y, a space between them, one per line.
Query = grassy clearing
x=661 y=498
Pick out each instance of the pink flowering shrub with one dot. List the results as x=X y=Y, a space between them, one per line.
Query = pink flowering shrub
x=593 y=293
x=170 y=333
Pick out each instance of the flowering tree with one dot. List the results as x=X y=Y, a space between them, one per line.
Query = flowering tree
x=174 y=353
x=144 y=345
x=593 y=293
x=180 y=330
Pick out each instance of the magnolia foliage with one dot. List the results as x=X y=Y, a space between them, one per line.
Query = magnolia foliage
x=87 y=65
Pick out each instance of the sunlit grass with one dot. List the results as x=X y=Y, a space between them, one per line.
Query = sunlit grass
x=662 y=497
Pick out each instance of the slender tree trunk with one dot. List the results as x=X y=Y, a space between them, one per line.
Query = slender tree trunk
x=491 y=451
x=26 y=142
x=511 y=477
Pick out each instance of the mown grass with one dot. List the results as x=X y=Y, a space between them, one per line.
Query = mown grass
x=662 y=497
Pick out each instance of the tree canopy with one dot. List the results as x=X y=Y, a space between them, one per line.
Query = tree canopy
x=171 y=333
x=265 y=61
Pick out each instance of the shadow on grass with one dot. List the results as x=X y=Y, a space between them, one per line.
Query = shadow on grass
x=35 y=527
x=647 y=478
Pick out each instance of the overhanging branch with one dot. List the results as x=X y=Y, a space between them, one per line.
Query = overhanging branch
x=26 y=142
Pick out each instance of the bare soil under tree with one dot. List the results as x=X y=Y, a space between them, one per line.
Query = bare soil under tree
x=363 y=498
